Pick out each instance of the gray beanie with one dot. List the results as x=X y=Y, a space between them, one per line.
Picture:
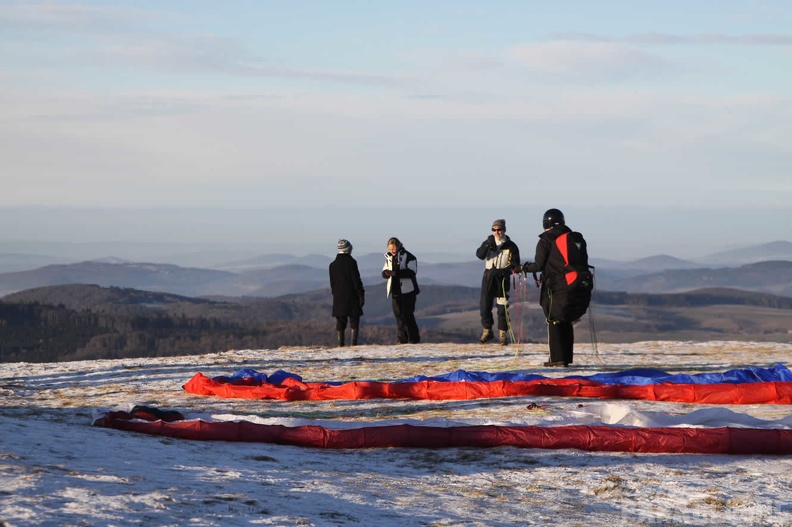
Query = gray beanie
x=501 y=224
x=344 y=247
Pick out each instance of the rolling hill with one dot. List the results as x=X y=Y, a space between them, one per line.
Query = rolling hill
x=77 y=321
x=774 y=277
x=148 y=276
x=777 y=250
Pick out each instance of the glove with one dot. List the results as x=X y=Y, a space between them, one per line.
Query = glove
x=387 y=273
x=491 y=241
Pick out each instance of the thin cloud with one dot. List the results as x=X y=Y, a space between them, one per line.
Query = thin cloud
x=113 y=37
x=691 y=39
x=210 y=54
x=76 y=18
x=590 y=60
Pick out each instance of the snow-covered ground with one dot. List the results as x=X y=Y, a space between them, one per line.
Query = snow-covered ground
x=56 y=469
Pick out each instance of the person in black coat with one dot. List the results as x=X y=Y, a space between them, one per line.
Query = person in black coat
x=560 y=333
x=348 y=293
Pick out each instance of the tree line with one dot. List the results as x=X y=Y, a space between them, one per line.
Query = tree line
x=81 y=322
x=34 y=332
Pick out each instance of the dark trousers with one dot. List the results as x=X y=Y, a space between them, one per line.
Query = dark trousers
x=485 y=306
x=404 y=311
x=561 y=339
x=341 y=323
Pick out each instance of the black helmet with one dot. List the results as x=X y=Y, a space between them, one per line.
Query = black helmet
x=552 y=217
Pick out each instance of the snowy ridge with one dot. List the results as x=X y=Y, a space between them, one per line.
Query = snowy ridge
x=57 y=469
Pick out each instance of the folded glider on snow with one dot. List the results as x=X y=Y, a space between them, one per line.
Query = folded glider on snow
x=720 y=440
x=744 y=386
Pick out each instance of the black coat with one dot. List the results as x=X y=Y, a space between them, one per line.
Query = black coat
x=346 y=286
x=551 y=264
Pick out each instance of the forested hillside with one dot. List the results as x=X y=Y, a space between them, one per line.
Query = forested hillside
x=76 y=321
x=80 y=321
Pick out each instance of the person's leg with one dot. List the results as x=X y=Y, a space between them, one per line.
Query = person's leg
x=503 y=317
x=502 y=320
x=354 y=329
x=567 y=334
x=555 y=343
x=485 y=307
x=401 y=329
x=410 y=324
x=341 y=324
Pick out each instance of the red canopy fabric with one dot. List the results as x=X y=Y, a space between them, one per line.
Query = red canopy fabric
x=581 y=437
x=294 y=390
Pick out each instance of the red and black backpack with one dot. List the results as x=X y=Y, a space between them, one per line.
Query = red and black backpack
x=578 y=277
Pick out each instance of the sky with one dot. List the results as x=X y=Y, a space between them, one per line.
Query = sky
x=657 y=127
x=56 y=469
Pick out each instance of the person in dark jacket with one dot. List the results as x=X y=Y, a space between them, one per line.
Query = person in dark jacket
x=501 y=256
x=560 y=333
x=400 y=271
x=348 y=293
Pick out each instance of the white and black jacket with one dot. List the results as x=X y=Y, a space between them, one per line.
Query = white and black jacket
x=500 y=260
x=400 y=271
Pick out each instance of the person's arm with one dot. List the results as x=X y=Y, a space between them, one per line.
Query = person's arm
x=386 y=270
x=486 y=246
x=410 y=269
x=514 y=258
x=540 y=259
x=361 y=293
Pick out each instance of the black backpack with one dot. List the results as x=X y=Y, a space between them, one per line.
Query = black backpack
x=577 y=282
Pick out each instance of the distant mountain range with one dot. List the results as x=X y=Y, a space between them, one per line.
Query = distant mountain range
x=778 y=250
x=774 y=277
x=27 y=256
x=282 y=274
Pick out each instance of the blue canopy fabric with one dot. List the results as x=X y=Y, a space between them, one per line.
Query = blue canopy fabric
x=634 y=377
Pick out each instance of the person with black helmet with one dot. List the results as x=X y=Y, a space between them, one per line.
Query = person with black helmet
x=501 y=256
x=560 y=333
x=400 y=271
x=348 y=293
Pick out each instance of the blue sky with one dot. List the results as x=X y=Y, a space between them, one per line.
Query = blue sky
x=656 y=126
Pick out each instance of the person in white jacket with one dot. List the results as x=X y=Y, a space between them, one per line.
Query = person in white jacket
x=400 y=270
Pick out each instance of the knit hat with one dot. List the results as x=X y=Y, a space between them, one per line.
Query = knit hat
x=500 y=224
x=344 y=247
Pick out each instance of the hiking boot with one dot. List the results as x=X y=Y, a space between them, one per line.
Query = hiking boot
x=354 y=337
x=486 y=335
x=502 y=338
x=340 y=338
x=555 y=364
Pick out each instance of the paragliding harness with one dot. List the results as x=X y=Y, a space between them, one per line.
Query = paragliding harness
x=577 y=282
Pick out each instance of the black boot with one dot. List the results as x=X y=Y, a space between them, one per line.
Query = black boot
x=354 y=337
x=340 y=335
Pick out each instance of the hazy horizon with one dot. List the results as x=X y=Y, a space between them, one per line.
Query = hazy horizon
x=139 y=234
